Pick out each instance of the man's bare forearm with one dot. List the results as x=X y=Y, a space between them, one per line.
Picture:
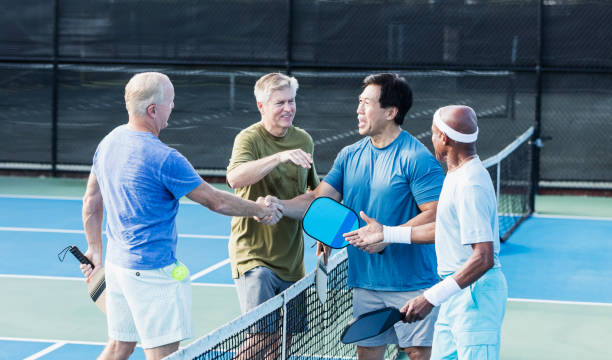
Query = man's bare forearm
x=481 y=260
x=92 y=224
x=424 y=234
x=225 y=203
x=250 y=172
x=425 y=217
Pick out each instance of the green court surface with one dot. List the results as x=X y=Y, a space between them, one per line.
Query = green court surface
x=79 y=320
x=574 y=205
x=533 y=330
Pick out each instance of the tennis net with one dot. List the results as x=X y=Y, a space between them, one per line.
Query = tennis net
x=308 y=328
x=510 y=170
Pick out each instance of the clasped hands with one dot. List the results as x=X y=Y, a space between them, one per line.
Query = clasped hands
x=276 y=210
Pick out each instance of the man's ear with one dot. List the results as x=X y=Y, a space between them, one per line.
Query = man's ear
x=444 y=138
x=151 y=110
x=391 y=112
x=260 y=107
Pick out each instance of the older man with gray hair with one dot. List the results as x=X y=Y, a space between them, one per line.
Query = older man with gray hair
x=472 y=295
x=139 y=181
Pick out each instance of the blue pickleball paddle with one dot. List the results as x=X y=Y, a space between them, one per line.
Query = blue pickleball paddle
x=326 y=220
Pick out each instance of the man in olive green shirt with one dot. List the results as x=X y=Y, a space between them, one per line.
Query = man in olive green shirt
x=270 y=157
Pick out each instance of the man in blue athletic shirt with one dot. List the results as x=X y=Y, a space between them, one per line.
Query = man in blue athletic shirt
x=391 y=176
x=139 y=181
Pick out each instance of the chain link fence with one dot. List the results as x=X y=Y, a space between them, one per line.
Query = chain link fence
x=64 y=64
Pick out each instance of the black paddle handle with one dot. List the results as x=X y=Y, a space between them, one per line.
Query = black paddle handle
x=79 y=255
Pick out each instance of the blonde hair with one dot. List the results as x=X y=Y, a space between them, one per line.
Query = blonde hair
x=145 y=89
x=272 y=82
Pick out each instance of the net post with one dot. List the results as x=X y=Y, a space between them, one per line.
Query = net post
x=284 y=328
x=498 y=180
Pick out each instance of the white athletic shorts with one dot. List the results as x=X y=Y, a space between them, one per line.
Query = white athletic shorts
x=149 y=306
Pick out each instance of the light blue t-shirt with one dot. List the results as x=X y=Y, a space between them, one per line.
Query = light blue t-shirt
x=467 y=214
x=388 y=184
x=141 y=180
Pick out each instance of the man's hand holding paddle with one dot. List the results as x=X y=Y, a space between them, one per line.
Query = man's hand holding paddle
x=95 y=256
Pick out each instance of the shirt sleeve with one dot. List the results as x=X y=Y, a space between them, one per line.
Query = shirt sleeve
x=475 y=213
x=243 y=151
x=426 y=178
x=335 y=176
x=313 y=178
x=178 y=175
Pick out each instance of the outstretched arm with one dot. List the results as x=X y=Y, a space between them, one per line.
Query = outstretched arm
x=232 y=205
x=418 y=230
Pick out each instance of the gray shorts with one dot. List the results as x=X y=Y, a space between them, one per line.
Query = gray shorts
x=260 y=284
x=419 y=333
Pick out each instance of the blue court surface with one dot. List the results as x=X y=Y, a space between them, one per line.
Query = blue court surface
x=562 y=260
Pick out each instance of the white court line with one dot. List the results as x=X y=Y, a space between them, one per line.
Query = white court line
x=44 y=230
x=40 y=197
x=68 y=231
x=210 y=269
x=559 y=302
x=213 y=285
x=44 y=352
x=222 y=263
x=40 y=277
x=183 y=201
x=70 y=278
x=76 y=342
x=570 y=217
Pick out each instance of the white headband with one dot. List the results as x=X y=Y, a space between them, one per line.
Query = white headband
x=452 y=133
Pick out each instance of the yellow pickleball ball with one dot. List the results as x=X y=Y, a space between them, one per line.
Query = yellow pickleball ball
x=180 y=272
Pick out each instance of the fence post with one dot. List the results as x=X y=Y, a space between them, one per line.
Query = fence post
x=289 y=35
x=54 y=89
x=536 y=141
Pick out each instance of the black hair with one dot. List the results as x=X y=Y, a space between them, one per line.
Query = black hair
x=394 y=91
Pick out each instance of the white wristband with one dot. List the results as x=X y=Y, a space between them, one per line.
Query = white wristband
x=443 y=290
x=397 y=234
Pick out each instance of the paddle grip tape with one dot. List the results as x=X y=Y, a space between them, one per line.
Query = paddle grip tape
x=79 y=255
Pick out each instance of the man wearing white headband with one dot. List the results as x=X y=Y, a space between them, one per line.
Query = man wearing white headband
x=472 y=295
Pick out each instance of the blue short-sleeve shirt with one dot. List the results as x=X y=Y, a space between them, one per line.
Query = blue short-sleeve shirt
x=141 y=180
x=388 y=184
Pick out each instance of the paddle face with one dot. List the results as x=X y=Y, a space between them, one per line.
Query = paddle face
x=370 y=324
x=326 y=220
x=97 y=285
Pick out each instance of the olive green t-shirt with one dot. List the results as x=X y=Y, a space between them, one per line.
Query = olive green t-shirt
x=278 y=247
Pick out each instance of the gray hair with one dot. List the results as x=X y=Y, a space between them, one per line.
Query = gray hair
x=145 y=89
x=272 y=82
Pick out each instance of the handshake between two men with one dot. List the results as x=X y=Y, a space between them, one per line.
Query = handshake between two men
x=272 y=203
